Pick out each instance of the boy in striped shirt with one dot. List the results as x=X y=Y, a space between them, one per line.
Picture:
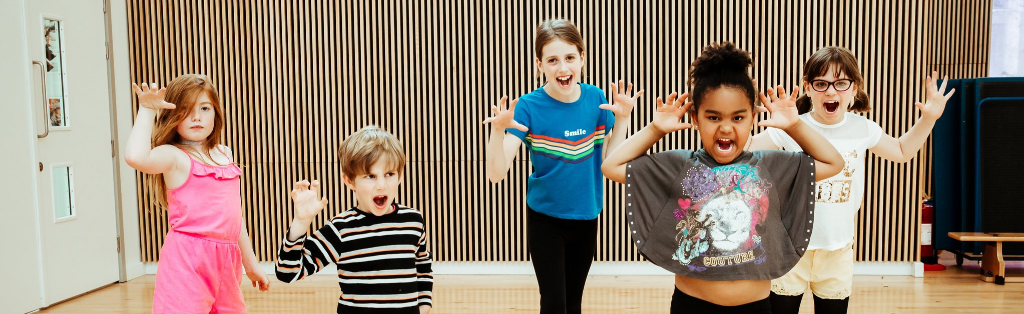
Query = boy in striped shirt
x=379 y=246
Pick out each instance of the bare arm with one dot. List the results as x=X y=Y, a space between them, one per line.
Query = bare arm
x=139 y=152
x=906 y=147
x=249 y=261
x=666 y=120
x=501 y=149
x=622 y=106
x=784 y=116
x=827 y=161
x=762 y=141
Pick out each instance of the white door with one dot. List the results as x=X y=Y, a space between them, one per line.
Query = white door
x=75 y=175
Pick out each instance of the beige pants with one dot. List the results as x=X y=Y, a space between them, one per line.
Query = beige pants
x=829 y=274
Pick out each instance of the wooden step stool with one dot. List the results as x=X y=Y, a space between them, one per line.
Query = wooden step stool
x=993 y=268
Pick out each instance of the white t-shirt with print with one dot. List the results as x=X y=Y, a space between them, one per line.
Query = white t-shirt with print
x=838 y=198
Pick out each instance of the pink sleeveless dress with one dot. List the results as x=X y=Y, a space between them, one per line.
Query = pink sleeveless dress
x=200 y=267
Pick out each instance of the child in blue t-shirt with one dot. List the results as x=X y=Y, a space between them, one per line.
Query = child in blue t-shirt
x=566 y=125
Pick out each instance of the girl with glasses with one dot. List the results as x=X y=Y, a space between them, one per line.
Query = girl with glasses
x=834 y=94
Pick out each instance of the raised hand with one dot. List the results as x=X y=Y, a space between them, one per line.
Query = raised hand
x=936 y=101
x=669 y=116
x=503 y=118
x=150 y=97
x=782 y=108
x=307 y=200
x=622 y=103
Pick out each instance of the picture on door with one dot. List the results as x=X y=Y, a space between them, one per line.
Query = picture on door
x=53 y=33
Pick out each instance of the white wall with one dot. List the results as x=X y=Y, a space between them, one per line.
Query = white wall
x=20 y=281
x=1006 y=55
x=123 y=98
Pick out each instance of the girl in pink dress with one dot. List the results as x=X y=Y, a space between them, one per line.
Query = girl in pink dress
x=202 y=257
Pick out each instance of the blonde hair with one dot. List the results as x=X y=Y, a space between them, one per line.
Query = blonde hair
x=183 y=92
x=365 y=147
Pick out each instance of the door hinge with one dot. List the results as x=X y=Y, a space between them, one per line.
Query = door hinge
x=112 y=149
x=118 y=240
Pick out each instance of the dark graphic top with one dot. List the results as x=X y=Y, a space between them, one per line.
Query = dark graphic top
x=748 y=220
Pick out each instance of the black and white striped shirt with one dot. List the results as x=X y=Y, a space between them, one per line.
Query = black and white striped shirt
x=383 y=262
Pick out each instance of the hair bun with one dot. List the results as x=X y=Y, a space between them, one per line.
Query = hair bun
x=720 y=58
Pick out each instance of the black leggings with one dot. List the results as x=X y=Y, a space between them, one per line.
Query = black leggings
x=790 y=304
x=684 y=303
x=562 y=251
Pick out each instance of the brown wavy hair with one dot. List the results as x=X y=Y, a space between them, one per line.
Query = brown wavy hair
x=844 y=62
x=183 y=92
x=557 y=29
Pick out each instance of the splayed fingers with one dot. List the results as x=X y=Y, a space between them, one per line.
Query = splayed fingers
x=152 y=97
x=669 y=116
x=623 y=101
x=505 y=118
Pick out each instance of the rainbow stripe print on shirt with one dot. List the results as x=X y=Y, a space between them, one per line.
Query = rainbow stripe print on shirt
x=566 y=150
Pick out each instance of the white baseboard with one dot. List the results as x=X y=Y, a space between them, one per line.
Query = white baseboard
x=915 y=269
x=150 y=268
x=136 y=270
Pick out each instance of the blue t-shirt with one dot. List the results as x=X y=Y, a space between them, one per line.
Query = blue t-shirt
x=566 y=141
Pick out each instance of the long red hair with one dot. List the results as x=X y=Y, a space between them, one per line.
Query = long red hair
x=183 y=92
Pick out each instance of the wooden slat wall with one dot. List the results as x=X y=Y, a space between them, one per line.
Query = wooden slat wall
x=297 y=76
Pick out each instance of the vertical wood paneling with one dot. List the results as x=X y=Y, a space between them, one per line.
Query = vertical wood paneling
x=297 y=77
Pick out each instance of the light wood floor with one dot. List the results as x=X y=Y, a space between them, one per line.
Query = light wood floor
x=955 y=290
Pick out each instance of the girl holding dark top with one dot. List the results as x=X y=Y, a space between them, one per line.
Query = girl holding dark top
x=724 y=220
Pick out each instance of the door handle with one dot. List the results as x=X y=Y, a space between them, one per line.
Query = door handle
x=46 y=101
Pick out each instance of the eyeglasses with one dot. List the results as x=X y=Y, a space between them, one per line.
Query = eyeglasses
x=840 y=85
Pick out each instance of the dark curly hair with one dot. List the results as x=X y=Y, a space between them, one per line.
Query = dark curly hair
x=720 y=65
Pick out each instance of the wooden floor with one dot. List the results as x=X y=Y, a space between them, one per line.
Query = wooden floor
x=955 y=290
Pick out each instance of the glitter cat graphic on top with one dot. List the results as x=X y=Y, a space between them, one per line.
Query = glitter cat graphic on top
x=720 y=217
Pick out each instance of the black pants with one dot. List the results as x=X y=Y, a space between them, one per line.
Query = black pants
x=562 y=251
x=790 y=304
x=684 y=303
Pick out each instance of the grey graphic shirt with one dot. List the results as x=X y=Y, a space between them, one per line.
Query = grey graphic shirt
x=748 y=220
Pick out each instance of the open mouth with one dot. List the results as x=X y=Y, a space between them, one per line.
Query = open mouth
x=564 y=80
x=831 y=106
x=380 y=200
x=724 y=146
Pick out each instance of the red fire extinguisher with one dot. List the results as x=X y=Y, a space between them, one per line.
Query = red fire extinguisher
x=928 y=254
